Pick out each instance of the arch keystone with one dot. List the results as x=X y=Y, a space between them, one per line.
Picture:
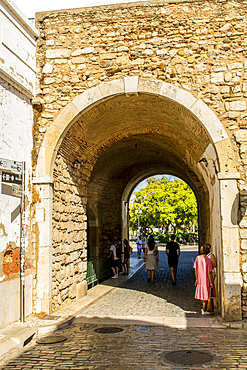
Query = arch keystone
x=153 y=86
x=131 y=85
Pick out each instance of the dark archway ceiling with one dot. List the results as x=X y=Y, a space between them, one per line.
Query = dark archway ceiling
x=131 y=134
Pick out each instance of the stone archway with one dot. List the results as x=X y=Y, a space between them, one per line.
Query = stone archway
x=95 y=139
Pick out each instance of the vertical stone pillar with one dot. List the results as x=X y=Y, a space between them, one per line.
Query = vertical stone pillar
x=44 y=188
x=231 y=280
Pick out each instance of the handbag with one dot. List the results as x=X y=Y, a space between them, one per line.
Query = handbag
x=210 y=306
x=130 y=250
x=155 y=252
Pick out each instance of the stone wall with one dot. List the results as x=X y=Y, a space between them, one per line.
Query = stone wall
x=106 y=201
x=198 y=46
x=69 y=263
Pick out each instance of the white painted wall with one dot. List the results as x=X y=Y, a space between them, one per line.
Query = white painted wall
x=17 y=86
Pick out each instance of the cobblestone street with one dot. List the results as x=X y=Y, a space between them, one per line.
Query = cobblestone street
x=141 y=344
x=137 y=297
x=85 y=349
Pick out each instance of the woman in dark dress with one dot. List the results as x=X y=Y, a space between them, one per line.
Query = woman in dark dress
x=126 y=257
x=173 y=252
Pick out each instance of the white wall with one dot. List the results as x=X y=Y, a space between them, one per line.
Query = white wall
x=17 y=86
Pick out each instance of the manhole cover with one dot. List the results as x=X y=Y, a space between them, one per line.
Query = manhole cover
x=143 y=329
x=187 y=357
x=51 y=339
x=108 y=330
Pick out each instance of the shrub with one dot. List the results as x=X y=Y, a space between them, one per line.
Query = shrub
x=163 y=238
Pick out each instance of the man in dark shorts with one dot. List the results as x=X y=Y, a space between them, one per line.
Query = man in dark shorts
x=114 y=260
x=173 y=252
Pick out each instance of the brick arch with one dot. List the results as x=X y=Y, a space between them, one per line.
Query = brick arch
x=129 y=86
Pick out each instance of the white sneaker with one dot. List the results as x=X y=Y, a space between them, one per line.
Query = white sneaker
x=206 y=313
x=115 y=276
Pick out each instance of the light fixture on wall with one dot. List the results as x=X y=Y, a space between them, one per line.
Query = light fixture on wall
x=205 y=161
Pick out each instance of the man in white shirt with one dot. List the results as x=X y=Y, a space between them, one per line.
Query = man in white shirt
x=114 y=260
x=139 y=246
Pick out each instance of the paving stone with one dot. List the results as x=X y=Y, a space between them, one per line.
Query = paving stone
x=131 y=351
x=138 y=298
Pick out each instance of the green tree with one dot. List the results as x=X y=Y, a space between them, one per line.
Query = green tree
x=163 y=203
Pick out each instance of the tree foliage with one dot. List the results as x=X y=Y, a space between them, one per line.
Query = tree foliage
x=163 y=203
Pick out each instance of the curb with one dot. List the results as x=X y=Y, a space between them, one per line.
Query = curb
x=18 y=338
x=232 y=324
x=139 y=266
x=41 y=330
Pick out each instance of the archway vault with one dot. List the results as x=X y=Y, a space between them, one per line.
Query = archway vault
x=133 y=86
x=115 y=134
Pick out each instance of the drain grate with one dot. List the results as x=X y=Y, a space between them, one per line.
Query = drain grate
x=108 y=330
x=187 y=357
x=51 y=339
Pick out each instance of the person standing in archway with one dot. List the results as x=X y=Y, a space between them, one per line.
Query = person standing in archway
x=151 y=258
x=126 y=256
x=212 y=257
x=204 y=278
x=144 y=240
x=173 y=252
x=114 y=260
x=139 y=246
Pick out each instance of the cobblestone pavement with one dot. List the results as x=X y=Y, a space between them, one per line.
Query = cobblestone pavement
x=141 y=344
x=137 y=297
x=85 y=349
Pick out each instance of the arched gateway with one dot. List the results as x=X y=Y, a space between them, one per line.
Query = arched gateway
x=100 y=146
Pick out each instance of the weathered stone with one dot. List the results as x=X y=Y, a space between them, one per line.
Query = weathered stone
x=181 y=52
x=48 y=80
x=239 y=105
x=228 y=76
x=105 y=63
x=244 y=267
x=235 y=66
x=244 y=87
x=78 y=60
x=48 y=68
x=57 y=53
x=81 y=290
x=172 y=53
x=191 y=59
x=219 y=67
x=217 y=78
